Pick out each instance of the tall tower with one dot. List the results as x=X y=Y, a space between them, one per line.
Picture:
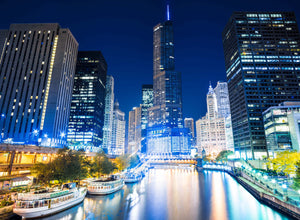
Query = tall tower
x=88 y=99
x=37 y=67
x=117 y=145
x=167 y=101
x=108 y=115
x=165 y=117
x=262 y=62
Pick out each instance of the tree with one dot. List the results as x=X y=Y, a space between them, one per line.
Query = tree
x=121 y=162
x=102 y=165
x=69 y=165
x=223 y=155
x=285 y=162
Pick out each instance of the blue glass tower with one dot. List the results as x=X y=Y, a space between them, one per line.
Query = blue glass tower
x=165 y=131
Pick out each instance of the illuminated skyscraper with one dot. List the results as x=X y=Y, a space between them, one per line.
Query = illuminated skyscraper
x=118 y=132
x=165 y=133
x=108 y=116
x=88 y=99
x=134 y=130
x=262 y=59
x=147 y=102
x=37 y=68
x=211 y=128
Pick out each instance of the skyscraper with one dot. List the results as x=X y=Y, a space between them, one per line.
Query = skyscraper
x=147 y=102
x=118 y=132
x=262 y=65
x=211 y=128
x=189 y=123
x=134 y=130
x=166 y=112
x=88 y=100
x=108 y=116
x=223 y=109
x=37 y=69
x=222 y=98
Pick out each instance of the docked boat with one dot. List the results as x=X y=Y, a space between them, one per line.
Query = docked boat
x=36 y=205
x=104 y=187
x=132 y=177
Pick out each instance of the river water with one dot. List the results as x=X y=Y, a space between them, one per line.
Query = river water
x=182 y=193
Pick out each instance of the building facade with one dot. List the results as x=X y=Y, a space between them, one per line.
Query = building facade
x=166 y=113
x=147 y=102
x=108 y=114
x=88 y=100
x=134 y=130
x=189 y=123
x=118 y=132
x=261 y=52
x=211 y=128
x=37 y=70
x=282 y=125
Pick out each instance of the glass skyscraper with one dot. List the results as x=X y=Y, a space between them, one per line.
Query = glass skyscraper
x=147 y=102
x=108 y=114
x=37 y=67
x=88 y=100
x=165 y=133
x=262 y=59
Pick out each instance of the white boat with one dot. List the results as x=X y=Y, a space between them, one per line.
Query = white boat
x=104 y=187
x=31 y=205
x=132 y=177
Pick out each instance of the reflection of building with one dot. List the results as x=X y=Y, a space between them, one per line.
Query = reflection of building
x=108 y=115
x=166 y=113
x=282 y=125
x=263 y=69
x=118 y=132
x=189 y=123
x=211 y=128
x=87 y=107
x=37 y=69
x=134 y=130
x=147 y=102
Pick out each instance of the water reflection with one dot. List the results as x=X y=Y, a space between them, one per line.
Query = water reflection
x=174 y=194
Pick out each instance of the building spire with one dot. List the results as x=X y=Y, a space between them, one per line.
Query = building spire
x=168 y=12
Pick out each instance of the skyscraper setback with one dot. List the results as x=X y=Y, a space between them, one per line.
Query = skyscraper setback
x=263 y=69
x=37 y=69
x=165 y=133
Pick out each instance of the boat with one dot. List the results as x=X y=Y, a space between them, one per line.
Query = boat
x=40 y=204
x=104 y=187
x=132 y=177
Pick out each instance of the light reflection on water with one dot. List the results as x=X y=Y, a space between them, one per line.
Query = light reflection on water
x=174 y=194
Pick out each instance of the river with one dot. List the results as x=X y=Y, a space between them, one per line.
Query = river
x=182 y=193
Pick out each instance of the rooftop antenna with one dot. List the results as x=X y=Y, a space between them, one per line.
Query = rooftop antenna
x=168 y=12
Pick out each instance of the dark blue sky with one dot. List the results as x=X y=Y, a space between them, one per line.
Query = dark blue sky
x=122 y=30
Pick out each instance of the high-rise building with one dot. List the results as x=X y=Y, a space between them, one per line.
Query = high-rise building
x=108 y=115
x=262 y=65
x=222 y=98
x=88 y=100
x=37 y=70
x=282 y=127
x=134 y=130
x=166 y=112
x=147 y=102
x=223 y=109
x=189 y=123
x=211 y=128
x=118 y=132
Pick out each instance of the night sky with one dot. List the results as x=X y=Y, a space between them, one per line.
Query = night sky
x=122 y=30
